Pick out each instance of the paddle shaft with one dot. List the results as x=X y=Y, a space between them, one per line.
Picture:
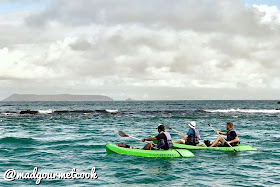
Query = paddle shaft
x=222 y=137
x=176 y=131
x=173 y=129
x=134 y=138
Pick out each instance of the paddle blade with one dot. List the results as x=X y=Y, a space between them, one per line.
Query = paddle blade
x=168 y=127
x=122 y=134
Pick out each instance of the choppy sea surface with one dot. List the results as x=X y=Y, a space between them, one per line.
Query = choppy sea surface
x=66 y=135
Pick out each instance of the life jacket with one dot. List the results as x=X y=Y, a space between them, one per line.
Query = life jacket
x=162 y=142
x=229 y=137
x=193 y=139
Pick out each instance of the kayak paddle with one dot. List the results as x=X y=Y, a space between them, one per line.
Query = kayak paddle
x=173 y=129
x=122 y=134
x=223 y=138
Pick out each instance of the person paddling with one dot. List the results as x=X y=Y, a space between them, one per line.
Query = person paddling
x=232 y=137
x=192 y=137
x=163 y=138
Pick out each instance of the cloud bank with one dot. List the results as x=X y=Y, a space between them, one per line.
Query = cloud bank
x=188 y=49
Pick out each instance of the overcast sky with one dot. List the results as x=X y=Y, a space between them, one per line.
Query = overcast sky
x=160 y=49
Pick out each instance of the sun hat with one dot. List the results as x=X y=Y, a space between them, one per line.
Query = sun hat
x=192 y=124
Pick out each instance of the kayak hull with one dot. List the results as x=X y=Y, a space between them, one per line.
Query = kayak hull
x=171 y=153
x=237 y=148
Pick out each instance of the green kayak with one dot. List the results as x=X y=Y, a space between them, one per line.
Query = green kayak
x=237 y=148
x=149 y=153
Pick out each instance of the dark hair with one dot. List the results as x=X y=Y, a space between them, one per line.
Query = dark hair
x=230 y=124
x=161 y=127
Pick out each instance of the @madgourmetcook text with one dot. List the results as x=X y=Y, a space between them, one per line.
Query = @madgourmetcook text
x=11 y=175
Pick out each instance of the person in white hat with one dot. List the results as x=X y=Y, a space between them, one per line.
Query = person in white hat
x=192 y=137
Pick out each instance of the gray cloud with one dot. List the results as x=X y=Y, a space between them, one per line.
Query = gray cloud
x=81 y=45
x=143 y=46
x=229 y=16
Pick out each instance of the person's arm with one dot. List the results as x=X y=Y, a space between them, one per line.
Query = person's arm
x=184 y=136
x=199 y=138
x=236 y=139
x=149 y=139
x=219 y=132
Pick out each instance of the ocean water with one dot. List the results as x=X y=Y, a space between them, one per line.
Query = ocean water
x=66 y=135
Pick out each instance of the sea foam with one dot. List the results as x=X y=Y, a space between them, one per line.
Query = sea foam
x=244 y=111
x=46 y=111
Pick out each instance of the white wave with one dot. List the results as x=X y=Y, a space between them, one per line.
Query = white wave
x=7 y=114
x=46 y=111
x=112 y=111
x=244 y=111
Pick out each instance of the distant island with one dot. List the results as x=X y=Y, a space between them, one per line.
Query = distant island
x=61 y=97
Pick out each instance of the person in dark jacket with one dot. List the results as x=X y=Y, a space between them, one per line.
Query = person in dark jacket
x=163 y=138
x=231 y=139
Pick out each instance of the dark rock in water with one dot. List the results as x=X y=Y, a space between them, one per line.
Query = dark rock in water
x=277 y=109
x=202 y=111
x=7 y=105
x=72 y=111
x=62 y=97
x=278 y=102
x=29 y=112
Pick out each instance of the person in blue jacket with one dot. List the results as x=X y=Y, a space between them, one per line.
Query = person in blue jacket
x=192 y=137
